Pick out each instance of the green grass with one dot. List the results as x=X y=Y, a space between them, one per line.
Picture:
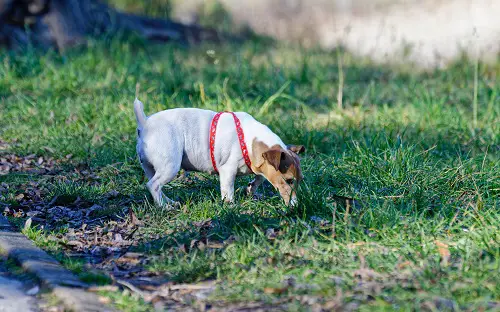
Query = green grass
x=406 y=146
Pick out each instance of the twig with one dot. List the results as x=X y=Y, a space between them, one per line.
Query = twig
x=474 y=102
x=202 y=92
x=346 y=218
x=393 y=196
x=131 y=287
x=333 y=218
x=341 y=81
x=137 y=88
x=191 y=287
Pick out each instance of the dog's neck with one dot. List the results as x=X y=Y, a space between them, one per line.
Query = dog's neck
x=258 y=133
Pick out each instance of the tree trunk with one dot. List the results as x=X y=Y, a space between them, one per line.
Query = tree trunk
x=66 y=23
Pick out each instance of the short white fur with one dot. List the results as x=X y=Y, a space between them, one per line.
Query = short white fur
x=179 y=138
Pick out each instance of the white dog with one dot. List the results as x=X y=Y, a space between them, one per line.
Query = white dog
x=202 y=140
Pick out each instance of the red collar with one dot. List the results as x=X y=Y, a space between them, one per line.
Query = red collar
x=241 y=138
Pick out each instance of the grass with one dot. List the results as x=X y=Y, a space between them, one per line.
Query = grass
x=48 y=242
x=407 y=145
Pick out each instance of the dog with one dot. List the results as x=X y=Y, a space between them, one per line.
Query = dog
x=230 y=144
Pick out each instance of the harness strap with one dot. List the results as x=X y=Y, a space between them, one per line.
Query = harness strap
x=241 y=138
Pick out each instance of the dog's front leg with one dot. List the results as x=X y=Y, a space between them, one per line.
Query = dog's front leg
x=254 y=185
x=227 y=177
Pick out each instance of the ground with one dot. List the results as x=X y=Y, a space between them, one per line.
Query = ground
x=15 y=293
x=399 y=208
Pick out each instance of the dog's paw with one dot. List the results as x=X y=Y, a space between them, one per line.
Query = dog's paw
x=257 y=196
x=228 y=201
x=171 y=206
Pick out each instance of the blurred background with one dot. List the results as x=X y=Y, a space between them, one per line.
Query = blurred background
x=425 y=32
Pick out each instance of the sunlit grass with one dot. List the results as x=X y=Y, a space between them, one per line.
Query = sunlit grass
x=405 y=146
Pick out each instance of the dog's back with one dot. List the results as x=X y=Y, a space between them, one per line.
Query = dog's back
x=172 y=133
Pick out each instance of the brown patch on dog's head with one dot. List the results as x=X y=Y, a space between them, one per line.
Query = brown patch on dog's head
x=281 y=167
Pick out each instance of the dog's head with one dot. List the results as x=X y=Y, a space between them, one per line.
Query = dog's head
x=281 y=167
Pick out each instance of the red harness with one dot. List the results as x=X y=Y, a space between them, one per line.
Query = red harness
x=241 y=138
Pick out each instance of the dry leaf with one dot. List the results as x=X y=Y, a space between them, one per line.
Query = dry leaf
x=27 y=224
x=366 y=274
x=49 y=149
x=118 y=238
x=33 y=291
x=75 y=243
x=133 y=218
x=215 y=245
x=275 y=291
x=133 y=255
x=104 y=300
x=271 y=234
x=444 y=252
x=405 y=264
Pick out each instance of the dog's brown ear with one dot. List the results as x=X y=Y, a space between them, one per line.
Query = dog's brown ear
x=297 y=149
x=274 y=157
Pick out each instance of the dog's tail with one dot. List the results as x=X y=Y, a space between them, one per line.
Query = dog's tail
x=139 y=113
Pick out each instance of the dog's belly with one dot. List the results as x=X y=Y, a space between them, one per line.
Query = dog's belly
x=195 y=162
x=187 y=164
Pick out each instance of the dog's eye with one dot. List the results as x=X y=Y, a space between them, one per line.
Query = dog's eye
x=289 y=181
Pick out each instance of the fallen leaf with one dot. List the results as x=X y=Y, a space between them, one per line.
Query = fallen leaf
x=133 y=255
x=133 y=218
x=75 y=243
x=203 y=223
x=444 y=252
x=33 y=213
x=27 y=224
x=48 y=149
x=270 y=234
x=33 y=291
x=104 y=300
x=403 y=265
x=193 y=243
x=215 y=245
x=366 y=274
x=275 y=291
x=112 y=193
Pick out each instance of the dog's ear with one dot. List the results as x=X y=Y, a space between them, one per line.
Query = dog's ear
x=274 y=157
x=297 y=149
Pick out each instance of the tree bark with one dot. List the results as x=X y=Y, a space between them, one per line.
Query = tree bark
x=66 y=23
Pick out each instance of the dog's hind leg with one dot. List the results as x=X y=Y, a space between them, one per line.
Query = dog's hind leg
x=160 y=171
x=149 y=170
x=163 y=155
x=154 y=185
